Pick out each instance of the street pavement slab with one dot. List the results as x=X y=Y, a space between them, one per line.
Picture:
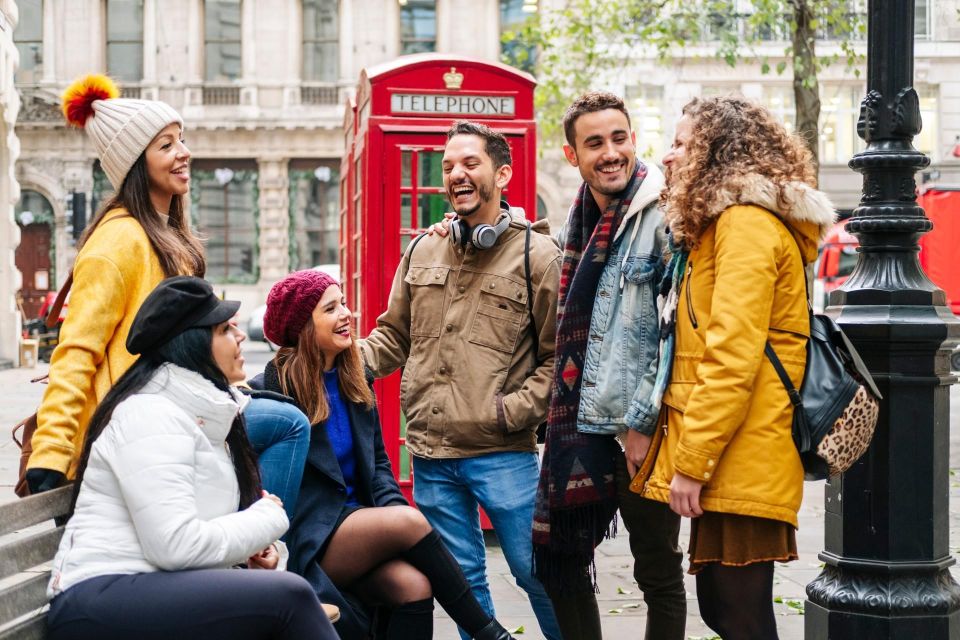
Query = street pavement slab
x=621 y=602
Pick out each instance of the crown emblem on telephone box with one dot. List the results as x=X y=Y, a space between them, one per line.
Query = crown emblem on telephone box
x=452 y=79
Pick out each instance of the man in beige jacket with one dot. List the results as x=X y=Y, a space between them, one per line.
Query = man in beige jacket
x=476 y=372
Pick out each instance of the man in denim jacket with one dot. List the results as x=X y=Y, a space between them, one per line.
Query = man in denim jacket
x=620 y=361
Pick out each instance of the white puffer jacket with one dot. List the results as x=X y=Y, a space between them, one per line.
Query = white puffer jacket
x=160 y=491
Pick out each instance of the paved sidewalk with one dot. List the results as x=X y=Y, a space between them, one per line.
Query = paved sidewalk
x=620 y=601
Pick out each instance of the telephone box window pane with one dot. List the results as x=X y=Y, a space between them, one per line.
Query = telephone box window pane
x=418 y=26
x=432 y=208
x=406 y=163
x=357 y=175
x=404 y=243
x=431 y=169
x=406 y=210
x=222 y=49
x=356 y=257
x=404 y=453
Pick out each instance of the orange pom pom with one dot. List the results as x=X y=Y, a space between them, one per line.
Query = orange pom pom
x=79 y=97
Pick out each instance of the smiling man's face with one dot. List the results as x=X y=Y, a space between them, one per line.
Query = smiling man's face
x=604 y=151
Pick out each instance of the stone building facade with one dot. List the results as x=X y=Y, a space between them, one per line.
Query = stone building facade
x=261 y=85
x=9 y=191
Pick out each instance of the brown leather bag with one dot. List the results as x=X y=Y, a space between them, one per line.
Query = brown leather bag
x=29 y=425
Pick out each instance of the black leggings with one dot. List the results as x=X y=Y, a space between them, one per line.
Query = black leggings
x=232 y=604
x=737 y=602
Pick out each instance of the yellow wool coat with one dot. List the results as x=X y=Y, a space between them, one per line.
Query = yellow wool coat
x=113 y=273
x=727 y=415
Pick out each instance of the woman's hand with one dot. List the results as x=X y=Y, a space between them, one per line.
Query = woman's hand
x=685 y=496
x=442 y=228
x=266 y=559
x=270 y=496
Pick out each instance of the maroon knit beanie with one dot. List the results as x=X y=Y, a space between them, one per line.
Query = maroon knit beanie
x=290 y=305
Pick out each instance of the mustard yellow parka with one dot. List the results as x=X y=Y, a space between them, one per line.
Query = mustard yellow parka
x=727 y=416
x=114 y=272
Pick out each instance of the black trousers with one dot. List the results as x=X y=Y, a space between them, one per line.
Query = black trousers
x=232 y=604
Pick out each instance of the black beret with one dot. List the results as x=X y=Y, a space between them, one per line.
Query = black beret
x=177 y=304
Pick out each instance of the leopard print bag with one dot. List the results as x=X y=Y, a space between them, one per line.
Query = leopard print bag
x=838 y=405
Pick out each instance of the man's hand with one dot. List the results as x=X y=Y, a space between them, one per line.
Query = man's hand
x=442 y=228
x=40 y=480
x=635 y=448
x=685 y=496
x=266 y=559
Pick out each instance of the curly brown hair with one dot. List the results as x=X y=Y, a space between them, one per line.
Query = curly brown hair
x=734 y=141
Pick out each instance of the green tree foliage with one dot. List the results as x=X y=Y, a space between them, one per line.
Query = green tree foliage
x=586 y=42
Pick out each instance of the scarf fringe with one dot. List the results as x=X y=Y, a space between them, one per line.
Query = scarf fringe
x=563 y=560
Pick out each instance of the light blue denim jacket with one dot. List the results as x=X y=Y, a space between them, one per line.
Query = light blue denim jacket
x=621 y=360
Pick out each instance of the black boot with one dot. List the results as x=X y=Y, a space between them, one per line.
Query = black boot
x=493 y=631
x=450 y=587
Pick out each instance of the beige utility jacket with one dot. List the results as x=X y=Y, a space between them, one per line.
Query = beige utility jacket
x=457 y=322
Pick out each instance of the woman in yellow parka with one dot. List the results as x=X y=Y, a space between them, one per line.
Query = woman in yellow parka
x=140 y=236
x=744 y=219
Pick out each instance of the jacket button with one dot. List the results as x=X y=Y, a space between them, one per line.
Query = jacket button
x=706 y=475
x=449 y=327
x=443 y=369
x=709 y=463
x=493 y=285
x=429 y=449
x=436 y=276
x=435 y=410
x=461 y=289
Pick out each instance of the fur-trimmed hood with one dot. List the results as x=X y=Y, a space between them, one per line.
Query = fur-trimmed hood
x=807 y=212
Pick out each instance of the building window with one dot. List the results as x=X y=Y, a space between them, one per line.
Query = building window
x=28 y=37
x=221 y=40
x=645 y=103
x=922 y=18
x=779 y=99
x=125 y=39
x=314 y=213
x=224 y=209
x=418 y=26
x=320 y=31
x=926 y=141
x=514 y=15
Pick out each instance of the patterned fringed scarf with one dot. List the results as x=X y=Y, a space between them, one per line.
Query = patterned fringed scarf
x=577 y=494
x=667 y=301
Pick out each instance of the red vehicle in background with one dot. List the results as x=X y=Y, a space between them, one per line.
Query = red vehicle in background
x=938 y=253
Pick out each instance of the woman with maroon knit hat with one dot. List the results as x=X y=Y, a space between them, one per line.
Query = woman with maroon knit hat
x=354 y=537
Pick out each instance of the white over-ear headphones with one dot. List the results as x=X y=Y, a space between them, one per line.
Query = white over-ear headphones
x=483 y=236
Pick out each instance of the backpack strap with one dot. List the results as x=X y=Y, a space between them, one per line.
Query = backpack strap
x=805 y=439
x=532 y=325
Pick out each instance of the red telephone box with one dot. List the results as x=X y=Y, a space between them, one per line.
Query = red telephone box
x=391 y=184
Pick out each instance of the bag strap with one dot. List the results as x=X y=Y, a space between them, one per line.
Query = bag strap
x=532 y=325
x=795 y=399
x=413 y=245
x=53 y=316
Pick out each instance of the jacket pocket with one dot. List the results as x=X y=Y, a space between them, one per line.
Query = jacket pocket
x=499 y=315
x=427 y=286
x=640 y=277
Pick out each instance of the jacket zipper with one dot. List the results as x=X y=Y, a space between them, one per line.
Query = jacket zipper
x=693 y=316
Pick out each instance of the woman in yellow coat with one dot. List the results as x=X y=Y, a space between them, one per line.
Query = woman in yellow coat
x=141 y=236
x=745 y=220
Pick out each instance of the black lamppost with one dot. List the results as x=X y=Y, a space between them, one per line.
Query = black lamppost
x=886 y=563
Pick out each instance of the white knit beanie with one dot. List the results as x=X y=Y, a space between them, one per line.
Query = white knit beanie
x=120 y=128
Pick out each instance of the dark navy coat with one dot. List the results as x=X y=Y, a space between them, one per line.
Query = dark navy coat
x=322 y=499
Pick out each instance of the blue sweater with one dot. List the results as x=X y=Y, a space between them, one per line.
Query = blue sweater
x=340 y=434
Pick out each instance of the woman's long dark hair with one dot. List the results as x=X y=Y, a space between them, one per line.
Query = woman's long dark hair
x=178 y=249
x=191 y=350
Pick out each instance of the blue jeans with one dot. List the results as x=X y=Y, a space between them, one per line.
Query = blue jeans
x=448 y=491
x=280 y=434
